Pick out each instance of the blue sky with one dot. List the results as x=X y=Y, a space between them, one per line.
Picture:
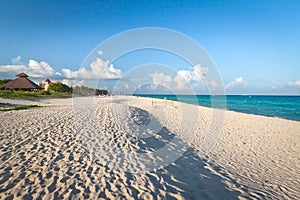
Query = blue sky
x=254 y=44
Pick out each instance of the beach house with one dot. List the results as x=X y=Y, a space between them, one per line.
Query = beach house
x=22 y=83
x=45 y=84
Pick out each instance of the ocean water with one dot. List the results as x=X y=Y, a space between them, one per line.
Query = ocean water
x=287 y=107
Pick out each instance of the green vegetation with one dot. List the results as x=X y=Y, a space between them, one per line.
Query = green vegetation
x=56 y=90
x=85 y=91
x=101 y=92
x=17 y=94
x=33 y=95
x=3 y=82
x=60 y=87
x=8 y=107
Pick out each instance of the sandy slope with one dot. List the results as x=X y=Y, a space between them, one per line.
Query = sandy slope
x=128 y=147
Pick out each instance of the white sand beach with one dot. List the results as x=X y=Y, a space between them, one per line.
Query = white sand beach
x=126 y=147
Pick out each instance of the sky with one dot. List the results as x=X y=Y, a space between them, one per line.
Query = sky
x=254 y=45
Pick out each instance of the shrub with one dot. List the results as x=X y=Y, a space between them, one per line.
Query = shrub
x=44 y=92
x=3 y=82
x=60 y=87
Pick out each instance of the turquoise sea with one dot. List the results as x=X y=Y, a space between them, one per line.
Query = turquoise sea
x=287 y=107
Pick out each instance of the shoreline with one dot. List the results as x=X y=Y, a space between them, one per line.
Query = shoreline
x=45 y=99
x=254 y=156
x=227 y=105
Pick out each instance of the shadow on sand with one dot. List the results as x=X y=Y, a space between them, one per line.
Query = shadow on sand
x=187 y=176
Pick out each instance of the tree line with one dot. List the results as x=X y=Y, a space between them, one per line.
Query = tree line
x=63 y=88
x=78 y=90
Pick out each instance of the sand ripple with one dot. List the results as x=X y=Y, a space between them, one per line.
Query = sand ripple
x=55 y=152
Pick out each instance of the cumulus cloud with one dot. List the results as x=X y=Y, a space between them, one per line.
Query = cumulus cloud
x=12 y=69
x=99 y=69
x=16 y=61
x=294 y=83
x=72 y=82
x=181 y=81
x=291 y=87
x=184 y=80
x=34 y=68
x=159 y=78
x=238 y=81
x=39 y=69
x=195 y=75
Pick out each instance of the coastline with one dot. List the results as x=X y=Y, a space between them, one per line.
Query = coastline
x=254 y=157
x=280 y=106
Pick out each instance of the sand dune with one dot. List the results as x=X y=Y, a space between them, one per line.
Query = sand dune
x=139 y=148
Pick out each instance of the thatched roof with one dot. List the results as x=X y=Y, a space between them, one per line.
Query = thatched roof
x=22 y=82
x=22 y=75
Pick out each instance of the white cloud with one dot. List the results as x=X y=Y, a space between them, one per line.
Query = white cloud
x=12 y=69
x=100 y=53
x=72 y=82
x=195 y=75
x=16 y=60
x=39 y=69
x=181 y=80
x=294 y=83
x=68 y=73
x=239 y=81
x=34 y=69
x=99 y=69
x=159 y=78
x=184 y=80
x=278 y=87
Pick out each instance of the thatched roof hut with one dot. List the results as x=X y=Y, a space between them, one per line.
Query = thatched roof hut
x=22 y=83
